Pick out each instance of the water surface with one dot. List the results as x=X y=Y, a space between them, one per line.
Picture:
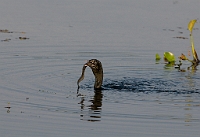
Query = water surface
x=141 y=97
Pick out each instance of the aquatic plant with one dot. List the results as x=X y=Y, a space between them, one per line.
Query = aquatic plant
x=190 y=28
x=170 y=58
x=158 y=56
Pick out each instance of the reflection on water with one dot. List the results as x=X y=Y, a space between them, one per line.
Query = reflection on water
x=189 y=107
x=92 y=112
x=8 y=107
x=188 y=114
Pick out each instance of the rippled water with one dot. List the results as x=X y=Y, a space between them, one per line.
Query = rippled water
x=141 y=97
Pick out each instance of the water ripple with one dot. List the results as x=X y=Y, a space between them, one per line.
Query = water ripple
x=149 y=85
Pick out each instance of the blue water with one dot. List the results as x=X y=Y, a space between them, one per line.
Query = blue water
x=141 y=97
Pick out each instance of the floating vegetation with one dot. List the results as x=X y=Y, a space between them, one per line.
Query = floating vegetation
x=180 y=37
x=157 y=56
x=170 y=58
x=180 y=32
x=23 y=38
x=6 y=40
x=170 y=29
x=7 y=31
x=8 y=107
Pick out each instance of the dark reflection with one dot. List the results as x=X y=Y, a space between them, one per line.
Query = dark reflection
x=92 y=112
x=171 y=65
x=193 y=67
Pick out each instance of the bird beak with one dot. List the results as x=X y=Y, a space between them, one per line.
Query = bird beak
x=86 y=64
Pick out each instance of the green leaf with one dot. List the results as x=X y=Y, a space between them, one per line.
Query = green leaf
x=194 y=53
x=191 y=25
x=169 y=57
x=158 y=56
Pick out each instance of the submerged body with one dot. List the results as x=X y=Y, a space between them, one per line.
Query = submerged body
x=97 y=70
